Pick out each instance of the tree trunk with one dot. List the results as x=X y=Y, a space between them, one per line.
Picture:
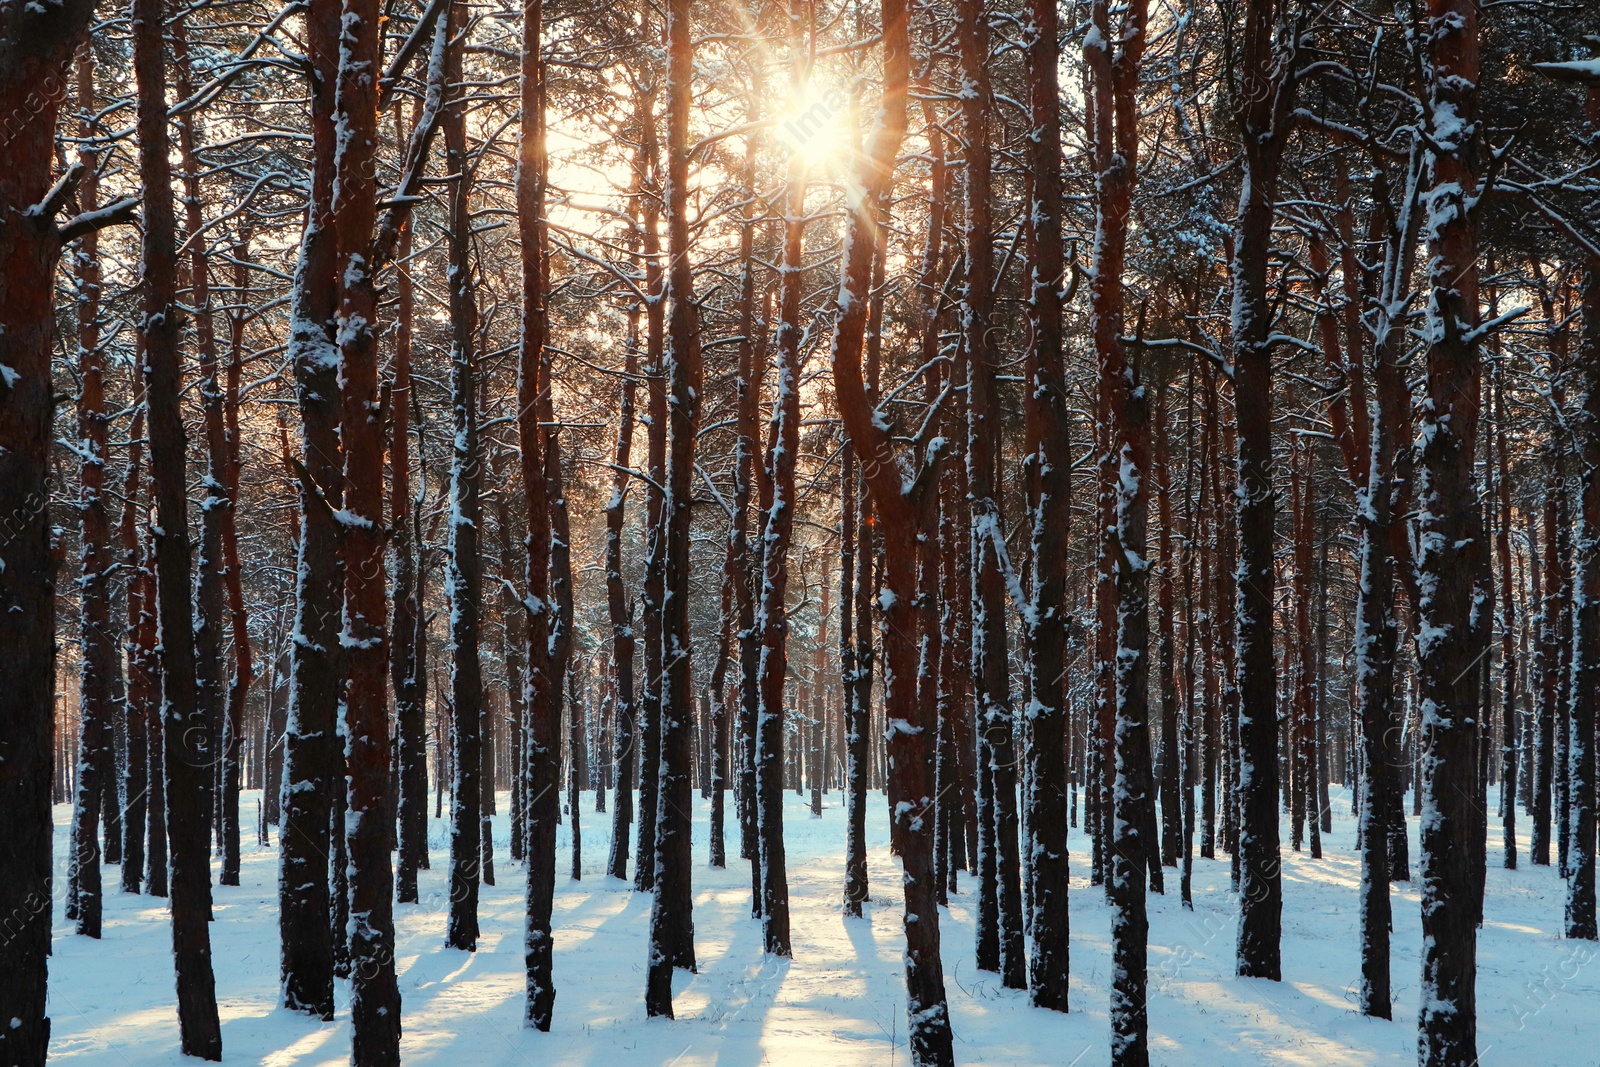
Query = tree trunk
x=1450 y=548
x=309 y=753
x=242 y=668
x=1264 y=98
x=620 y=612
x=1166 y=682
x=990 y=674
x=777 y=524
x=186 y=769
x=1046 y=427
x=138 y=781
x=365 y=247
x=1586 y=610
x=542 y=756
x=1114 y=79
x=406 y=633
x=98 y=661
x=742 y=555
x=656 y=447
x=36 y=49
x=909 y=729
x=855 y=731
x=672 y=909
x=464 y=577
x=1510 y=759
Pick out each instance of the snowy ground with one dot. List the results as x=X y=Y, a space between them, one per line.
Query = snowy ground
x=840 y=1001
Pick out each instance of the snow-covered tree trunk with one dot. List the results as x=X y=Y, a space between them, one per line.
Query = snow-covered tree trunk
x=241 y=671
x=305 y=941
x=1196 y=690
x=186 y=770
x=910 y=728
x=1166 y=639
x=1300 y=737
x=1046 y=428
x=1511 y=756
x=672 y=909
x=208 y=593
x=1113 y=53
x=1449 y=538
x=144 y=693
x=1103 y=726
x=1549 y=593
x=744 y=556
x=851 y=711
x=777 y=525
x=406 y=635
x=656 y=462
x=578 y=766
x=1376 y=633
x=1264 y=99
x=140 y=698
x=1580 y=864
x=619 y=611
x=541 y=758
x=36 y=47
x=464 y=561
x=363 y=250
x=816 y=768
x=999 y=934
x=98 y=659
x=1586 y=602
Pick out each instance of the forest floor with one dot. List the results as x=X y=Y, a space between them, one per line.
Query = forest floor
x=840 y=1001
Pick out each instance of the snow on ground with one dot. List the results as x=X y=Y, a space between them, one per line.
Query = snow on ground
x=840 y=1000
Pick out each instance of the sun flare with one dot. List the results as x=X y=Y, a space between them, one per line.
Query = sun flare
x=812 y=125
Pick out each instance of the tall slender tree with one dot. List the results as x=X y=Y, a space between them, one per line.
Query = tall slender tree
x=305 y=941
x=1045 y=416
x=672 y=907
x=464 y=577
x=1450 y=553
x=1263 y=101
x=1113 y=54
x=1000 y=945
x=542 y=755
x=186 y=770
x=909 y=727
x=36 y=48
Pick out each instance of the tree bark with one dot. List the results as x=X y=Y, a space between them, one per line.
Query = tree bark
x=1114 y=79
x=1450 y=550
x=36 y=49
x=365 y=247
x=909 y=729
x=464 y=576
x=672 y=909
x=1264 y=100
x=542 y=756
x=777 y=524
x=186 y=768
x=1586 y=611
x=1002 y=948
x=138 y=781
x=620 y=612
x=406 y=630
x=309 y=755
x=98 y=662
x=1046 y=428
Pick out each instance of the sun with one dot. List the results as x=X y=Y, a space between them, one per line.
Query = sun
x=811 y=126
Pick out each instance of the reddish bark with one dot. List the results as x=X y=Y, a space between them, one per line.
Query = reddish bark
x=542 y=756
x=1451 y=554
x=186 y=767
x=1263 y=101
